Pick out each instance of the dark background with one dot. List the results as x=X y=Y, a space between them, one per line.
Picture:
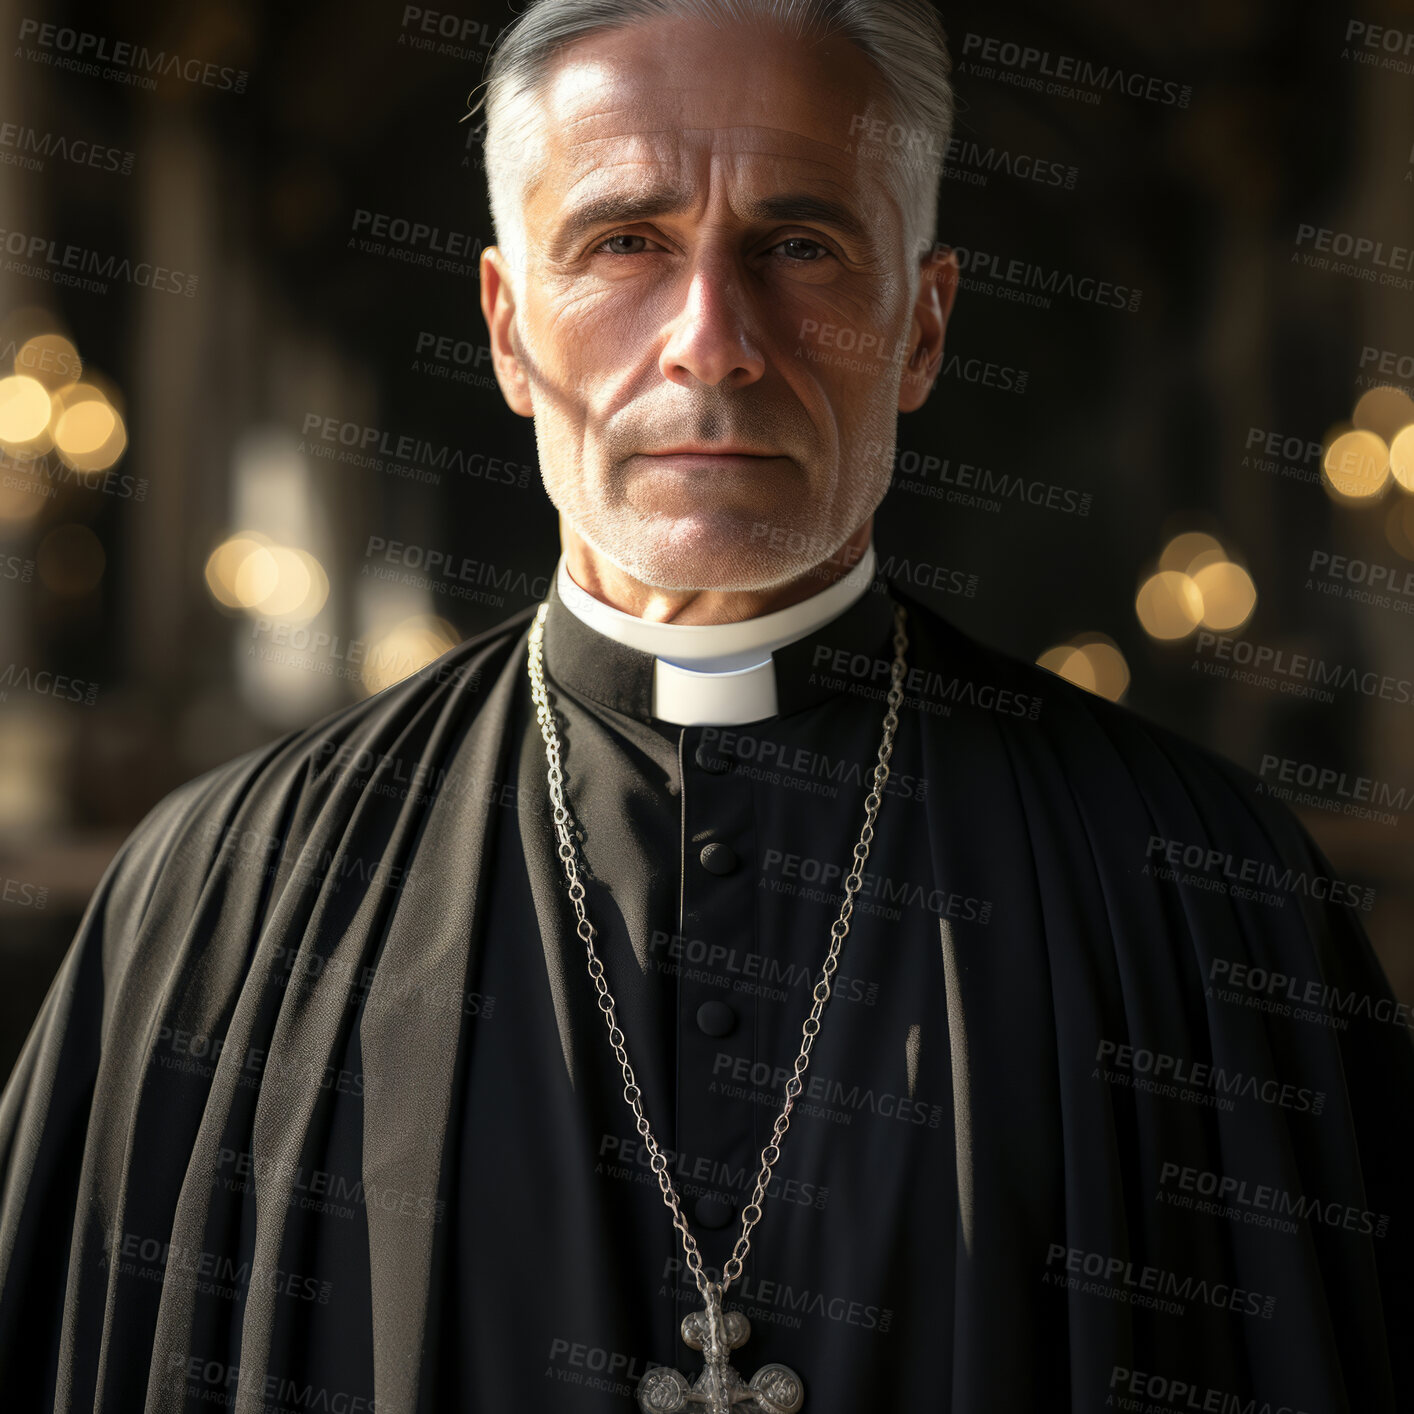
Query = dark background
x=1270 y=117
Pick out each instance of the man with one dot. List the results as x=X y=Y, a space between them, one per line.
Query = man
x=332 y=1106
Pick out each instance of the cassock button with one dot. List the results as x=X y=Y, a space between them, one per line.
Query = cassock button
x=718 y=858
x=716 y=1018
x=713 y=1212
x=710 y=761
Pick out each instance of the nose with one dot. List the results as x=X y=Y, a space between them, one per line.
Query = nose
x=713 y=340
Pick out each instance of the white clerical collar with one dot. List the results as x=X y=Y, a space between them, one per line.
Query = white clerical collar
x=716 y=674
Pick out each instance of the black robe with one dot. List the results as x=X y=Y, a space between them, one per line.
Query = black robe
x=1110 y=1108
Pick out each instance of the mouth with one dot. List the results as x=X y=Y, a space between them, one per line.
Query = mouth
x=714 y=450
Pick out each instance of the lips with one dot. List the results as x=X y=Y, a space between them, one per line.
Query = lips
x=718 y=450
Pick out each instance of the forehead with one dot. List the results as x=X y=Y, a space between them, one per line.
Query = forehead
x=624 y=105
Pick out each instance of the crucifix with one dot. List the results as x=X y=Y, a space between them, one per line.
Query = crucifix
x=774 y=1388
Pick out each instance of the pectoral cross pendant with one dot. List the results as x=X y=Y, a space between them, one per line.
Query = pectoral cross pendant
x=774 y=1389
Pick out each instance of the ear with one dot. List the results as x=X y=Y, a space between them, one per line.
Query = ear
x=499 y=307
x=937 y=288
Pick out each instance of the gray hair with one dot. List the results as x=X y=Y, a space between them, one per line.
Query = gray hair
x=903 y=38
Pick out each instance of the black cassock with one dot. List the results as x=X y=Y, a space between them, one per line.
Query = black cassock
x=1110 y=1109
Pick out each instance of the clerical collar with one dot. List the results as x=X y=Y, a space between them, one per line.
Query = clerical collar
x=712 y=674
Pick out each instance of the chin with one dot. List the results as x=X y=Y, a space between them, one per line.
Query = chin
x=701 y=552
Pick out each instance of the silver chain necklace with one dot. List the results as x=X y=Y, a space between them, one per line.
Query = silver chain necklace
x=774 y=1388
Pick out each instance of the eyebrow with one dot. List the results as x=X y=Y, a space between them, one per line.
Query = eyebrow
x=624 y=208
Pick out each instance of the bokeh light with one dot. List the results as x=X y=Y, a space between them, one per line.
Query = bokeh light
x=1189 y=552
x=1228 y=593
x=1092 y=661
x=1169 y=605
x=1401 y=459
x=50 y=359
x=88 y=430
x=24 y=410
x=409 y=645
x=250 y=571
x=1356 y=465
x=1383 y=411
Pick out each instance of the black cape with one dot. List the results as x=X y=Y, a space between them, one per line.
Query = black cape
x=1119 y=1055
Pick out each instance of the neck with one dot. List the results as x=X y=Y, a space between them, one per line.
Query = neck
x=611 y=585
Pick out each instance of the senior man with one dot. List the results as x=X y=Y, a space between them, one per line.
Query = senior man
x=729 y=950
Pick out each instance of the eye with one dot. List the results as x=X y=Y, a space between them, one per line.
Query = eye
x=604 y=245
x=798 y=241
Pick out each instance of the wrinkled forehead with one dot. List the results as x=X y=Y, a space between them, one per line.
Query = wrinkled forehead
x=645 y=105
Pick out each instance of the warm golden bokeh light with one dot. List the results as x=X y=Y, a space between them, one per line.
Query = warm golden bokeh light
x=1169 y=605
x=1401 y=459
x=1384 y=411
x=50 y=359
x=89 y=435
x=1105 y=664
x=1068 y=662
x=1092 y=661
x=250 y=571
x=1356 y=465
x=1189 y=552
x=24 y=409
x=70 y=560
x=405 y=648
x=1229 y=596
x=224 y=563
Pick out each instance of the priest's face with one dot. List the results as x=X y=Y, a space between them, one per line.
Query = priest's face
x=719 y=320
